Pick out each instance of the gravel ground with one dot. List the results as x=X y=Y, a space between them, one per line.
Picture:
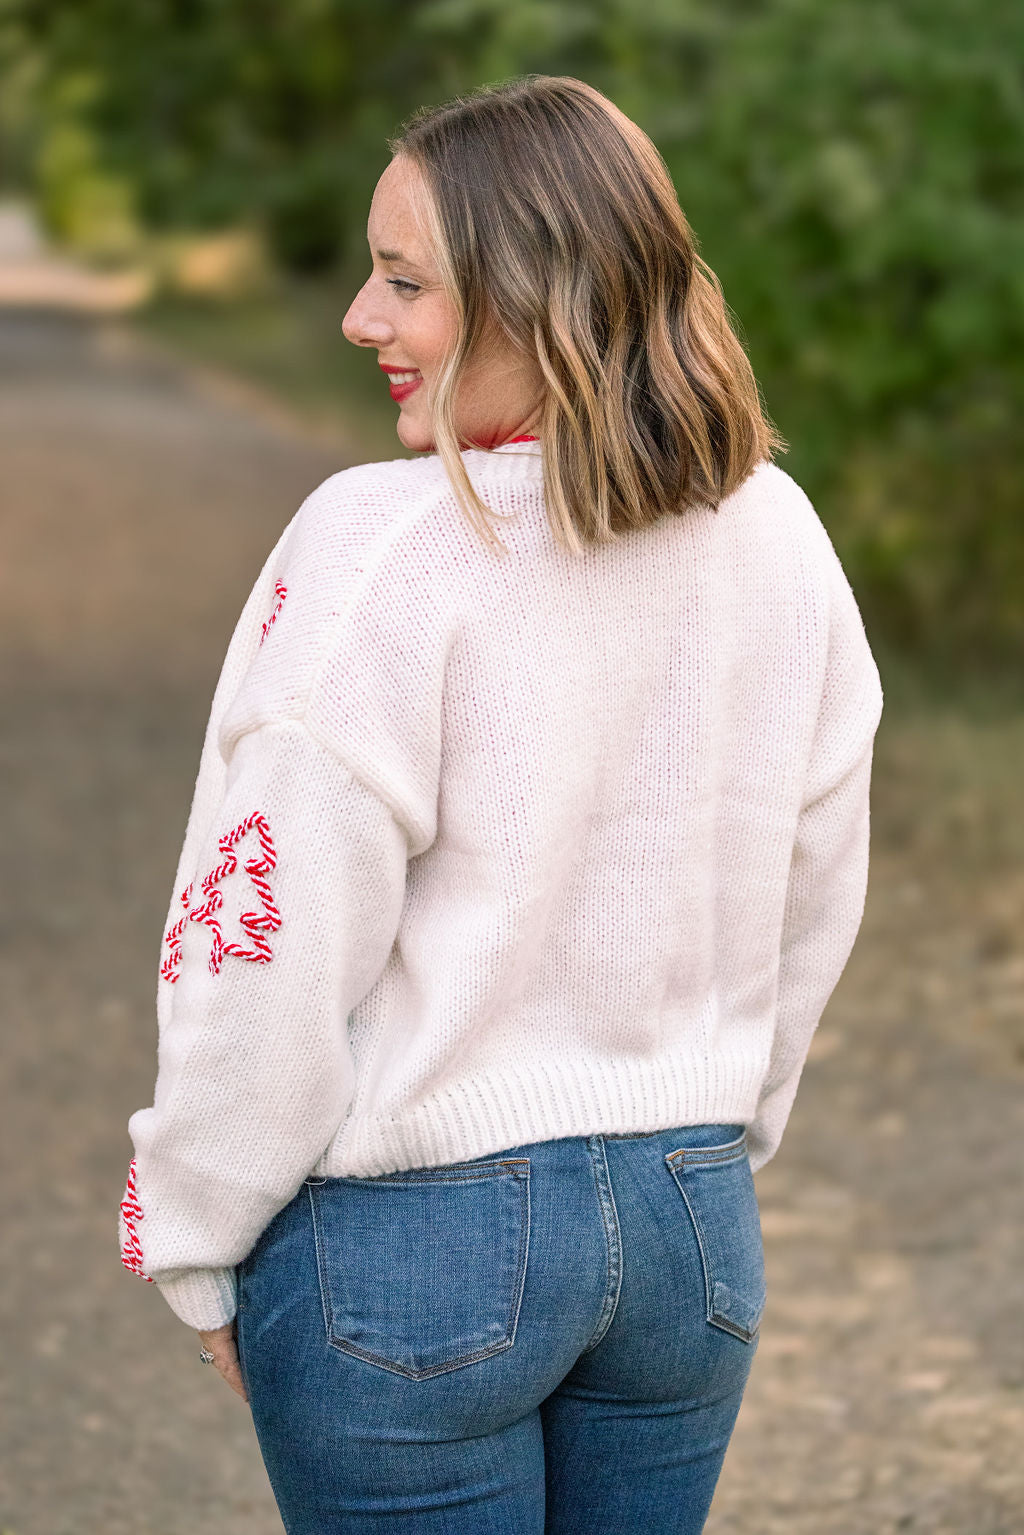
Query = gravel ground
x=138 y=501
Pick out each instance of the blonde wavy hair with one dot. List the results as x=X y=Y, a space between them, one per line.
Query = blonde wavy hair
x=553 y=216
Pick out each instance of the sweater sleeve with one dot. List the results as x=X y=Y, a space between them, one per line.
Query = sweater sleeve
x=287 y=923
x=829 y=864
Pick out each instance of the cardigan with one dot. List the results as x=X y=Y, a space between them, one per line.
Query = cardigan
x=489 y=848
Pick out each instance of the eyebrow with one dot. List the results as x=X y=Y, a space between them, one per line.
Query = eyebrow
x=395 y=256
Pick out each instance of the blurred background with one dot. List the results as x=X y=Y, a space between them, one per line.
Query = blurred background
x=184 y=187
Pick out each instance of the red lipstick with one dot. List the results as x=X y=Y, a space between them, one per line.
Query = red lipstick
x=402 y=390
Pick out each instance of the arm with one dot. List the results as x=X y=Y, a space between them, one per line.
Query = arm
x=829 y=864
x=296 y=896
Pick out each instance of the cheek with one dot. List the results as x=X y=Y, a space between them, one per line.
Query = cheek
x=429 y=332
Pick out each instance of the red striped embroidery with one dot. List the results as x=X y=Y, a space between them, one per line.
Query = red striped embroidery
x=169 y=968
x=280 y=592
x=255 y=924
x=131 y=1210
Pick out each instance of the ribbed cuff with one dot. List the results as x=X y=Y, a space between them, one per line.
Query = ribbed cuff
x=204 y=1298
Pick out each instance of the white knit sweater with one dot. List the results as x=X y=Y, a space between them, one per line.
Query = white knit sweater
x=486 y=850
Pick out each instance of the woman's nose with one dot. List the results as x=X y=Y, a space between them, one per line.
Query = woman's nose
x=361 y=325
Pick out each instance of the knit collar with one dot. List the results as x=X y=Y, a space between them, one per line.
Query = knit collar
x=512 y=460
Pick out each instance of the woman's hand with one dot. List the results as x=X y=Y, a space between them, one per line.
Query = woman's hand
x=222 y=1345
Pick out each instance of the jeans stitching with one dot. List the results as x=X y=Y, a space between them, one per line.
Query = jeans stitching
x=523 y=1255
x=703 y=1156
x=610 y=1218
x=321 y=1269
x=521 y=1173
x=714 y=1318
x=344 y=1346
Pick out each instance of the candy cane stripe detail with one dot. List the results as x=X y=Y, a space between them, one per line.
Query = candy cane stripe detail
x=131 y=1210
x=255 y=924
x=280 y=592
x=170 y=967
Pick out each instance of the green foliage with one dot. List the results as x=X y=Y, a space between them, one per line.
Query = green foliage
x=866 y=210
x=83 y=202
x=855 y=174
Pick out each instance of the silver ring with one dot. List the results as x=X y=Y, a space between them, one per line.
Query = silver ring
x=206 y=1357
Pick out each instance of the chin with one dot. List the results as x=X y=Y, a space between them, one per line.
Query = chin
x=416 y=438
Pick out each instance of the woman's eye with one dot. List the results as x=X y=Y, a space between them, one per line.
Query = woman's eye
x=399 y=282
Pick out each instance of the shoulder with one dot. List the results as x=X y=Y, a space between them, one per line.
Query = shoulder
x=776 y=513
x=342 y=531
x=782 y=557
x=769 y=491
x=319 y=580
x=823 y=581
x=345 y=534
x=366 y=499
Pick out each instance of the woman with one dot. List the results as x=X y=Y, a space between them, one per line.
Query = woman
x=517 y=875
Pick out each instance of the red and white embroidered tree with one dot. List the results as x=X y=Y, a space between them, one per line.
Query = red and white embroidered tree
x=255 y=924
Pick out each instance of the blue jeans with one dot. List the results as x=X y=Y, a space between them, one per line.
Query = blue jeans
x=548 y=1340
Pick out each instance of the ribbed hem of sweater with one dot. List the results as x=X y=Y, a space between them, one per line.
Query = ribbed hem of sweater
x=547 y=1101
x=470 y=1119
x=204 y=1298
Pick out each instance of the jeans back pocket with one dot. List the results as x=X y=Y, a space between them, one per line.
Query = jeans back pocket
x=717 y=1186
x=422 y=1271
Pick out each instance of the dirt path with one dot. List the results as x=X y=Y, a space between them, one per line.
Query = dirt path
x=888 y=1393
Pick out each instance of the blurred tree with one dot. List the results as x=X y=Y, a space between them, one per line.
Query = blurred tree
x=220 y=110
x=857 y=175
x=21 y=65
